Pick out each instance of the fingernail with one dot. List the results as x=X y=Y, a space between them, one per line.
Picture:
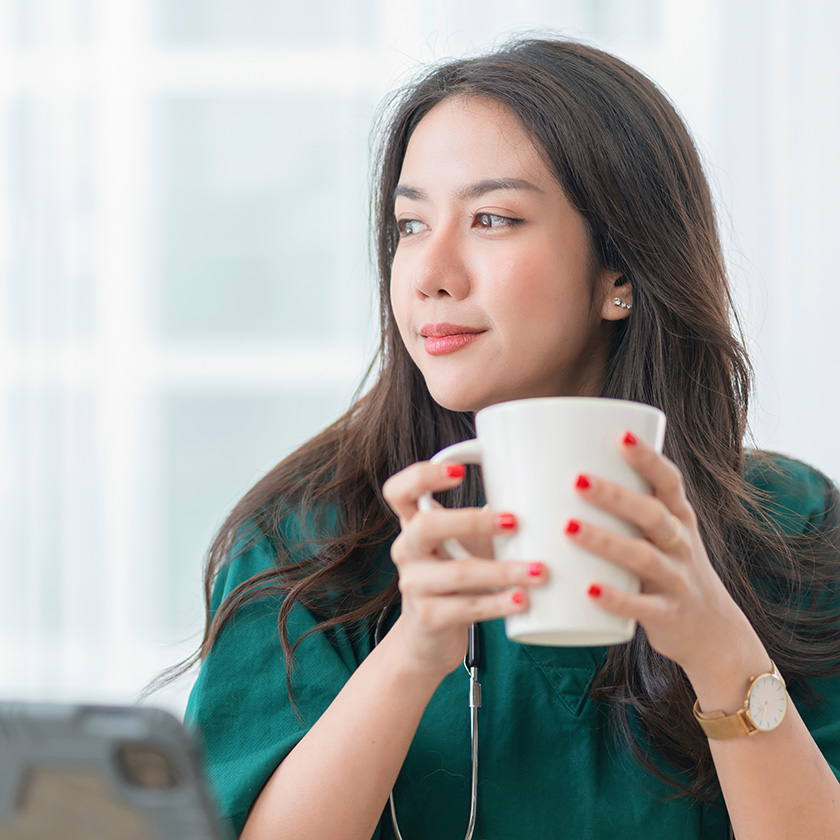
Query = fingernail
x=594 y=591
x=582 y=482
x=572 y=526
x=517 y=597
x=629 y=439
x=506 y=521
x=455 y=470
x=535 y=569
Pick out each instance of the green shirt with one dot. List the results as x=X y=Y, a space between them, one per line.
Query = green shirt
x=549 y=765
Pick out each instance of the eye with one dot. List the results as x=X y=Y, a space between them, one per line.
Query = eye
x=493 y=220
x=410 y=227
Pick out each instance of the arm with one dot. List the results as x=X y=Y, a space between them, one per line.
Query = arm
x=777 y=784
x=336 y=781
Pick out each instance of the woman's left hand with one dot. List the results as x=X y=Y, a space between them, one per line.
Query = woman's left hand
x=683 y=606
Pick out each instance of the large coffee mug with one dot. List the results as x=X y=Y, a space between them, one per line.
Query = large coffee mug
x=531 y=452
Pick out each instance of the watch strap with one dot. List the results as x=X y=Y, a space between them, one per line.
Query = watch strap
x=720 y=726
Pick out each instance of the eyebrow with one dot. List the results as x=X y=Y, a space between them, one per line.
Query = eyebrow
x=471 y=191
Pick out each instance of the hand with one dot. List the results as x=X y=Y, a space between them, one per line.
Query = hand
x=441 y=597
x=683 y=606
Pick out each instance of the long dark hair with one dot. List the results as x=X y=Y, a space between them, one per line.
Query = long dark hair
x=627 y=163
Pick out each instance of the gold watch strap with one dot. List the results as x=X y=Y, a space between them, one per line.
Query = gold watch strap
x=720 y=726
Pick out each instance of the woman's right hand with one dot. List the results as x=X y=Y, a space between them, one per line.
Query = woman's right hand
x=442 y=597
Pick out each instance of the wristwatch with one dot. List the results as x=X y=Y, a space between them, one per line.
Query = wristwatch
x=763 y=710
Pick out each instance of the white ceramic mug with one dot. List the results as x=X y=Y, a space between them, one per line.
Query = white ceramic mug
x=531 y=453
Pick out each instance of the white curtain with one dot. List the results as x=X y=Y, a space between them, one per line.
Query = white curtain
x=185 y=293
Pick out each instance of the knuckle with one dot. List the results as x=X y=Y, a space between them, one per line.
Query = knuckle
x=406 y=484
x=680 y=584
x=601 y=541
x=406 y=586
x=472 y=606
x=388 y=491
x=615 y=599
x=398 y=550
x=689 y=516
x=408 y=576
x=395 y=490
x=654 y=517
x=513 y=574
x=673 y=480
x=477 y=526
x=423 y=521
x=487 y=518
x=461 y=574
x=609 y=493
x=647 y=559
x=682 y=552
x=670 y=610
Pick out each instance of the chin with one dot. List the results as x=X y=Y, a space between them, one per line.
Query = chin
x=461 y=399
x=456 y=404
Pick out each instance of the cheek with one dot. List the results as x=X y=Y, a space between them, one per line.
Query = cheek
x=401 y=270
x=534 y=284
x=399 y=297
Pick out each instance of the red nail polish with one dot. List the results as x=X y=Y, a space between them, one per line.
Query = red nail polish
x=594 y=591
x=535 y=569
x=507 y=521
x=572 y=526
x=629 y=439
x=517 y=597
x=582 y=482
x=455 y=470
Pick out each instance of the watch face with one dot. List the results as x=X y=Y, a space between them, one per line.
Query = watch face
x=766 y=702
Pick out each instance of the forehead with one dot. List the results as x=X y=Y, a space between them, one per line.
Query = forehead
x=472 y=137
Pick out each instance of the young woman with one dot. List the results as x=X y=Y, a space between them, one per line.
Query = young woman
x=544 y=228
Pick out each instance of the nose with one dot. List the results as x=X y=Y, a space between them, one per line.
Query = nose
x=441 y=267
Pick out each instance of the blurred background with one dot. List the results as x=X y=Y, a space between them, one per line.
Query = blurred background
x=185 y=284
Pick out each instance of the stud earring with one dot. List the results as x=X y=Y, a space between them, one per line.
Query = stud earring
x=622 y=304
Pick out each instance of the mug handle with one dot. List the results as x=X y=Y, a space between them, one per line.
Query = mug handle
x=465 y=452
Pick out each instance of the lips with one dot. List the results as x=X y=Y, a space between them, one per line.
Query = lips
x=443 y=338
x=443 y=330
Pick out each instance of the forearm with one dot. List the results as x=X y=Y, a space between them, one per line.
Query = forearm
x=776 y=784
x=336 y=781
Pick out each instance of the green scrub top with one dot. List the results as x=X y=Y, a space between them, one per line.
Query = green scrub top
x=549 y=764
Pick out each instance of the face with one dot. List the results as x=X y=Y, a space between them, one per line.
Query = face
x=492 y=285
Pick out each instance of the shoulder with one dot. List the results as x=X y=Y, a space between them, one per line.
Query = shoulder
x=258 y=550
x=251 y=554
x=291 y=545
x=795 y=496
x=795 y=558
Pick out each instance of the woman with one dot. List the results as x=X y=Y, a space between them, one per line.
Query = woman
x=544 y=228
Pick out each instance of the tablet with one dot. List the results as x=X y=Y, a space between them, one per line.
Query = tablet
x=70 y=772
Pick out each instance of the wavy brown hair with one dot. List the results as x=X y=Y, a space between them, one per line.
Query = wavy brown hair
x=627 y=163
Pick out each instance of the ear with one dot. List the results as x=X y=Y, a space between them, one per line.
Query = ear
x=614 y=287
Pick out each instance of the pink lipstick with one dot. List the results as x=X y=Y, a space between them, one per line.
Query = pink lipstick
x=443 y=338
